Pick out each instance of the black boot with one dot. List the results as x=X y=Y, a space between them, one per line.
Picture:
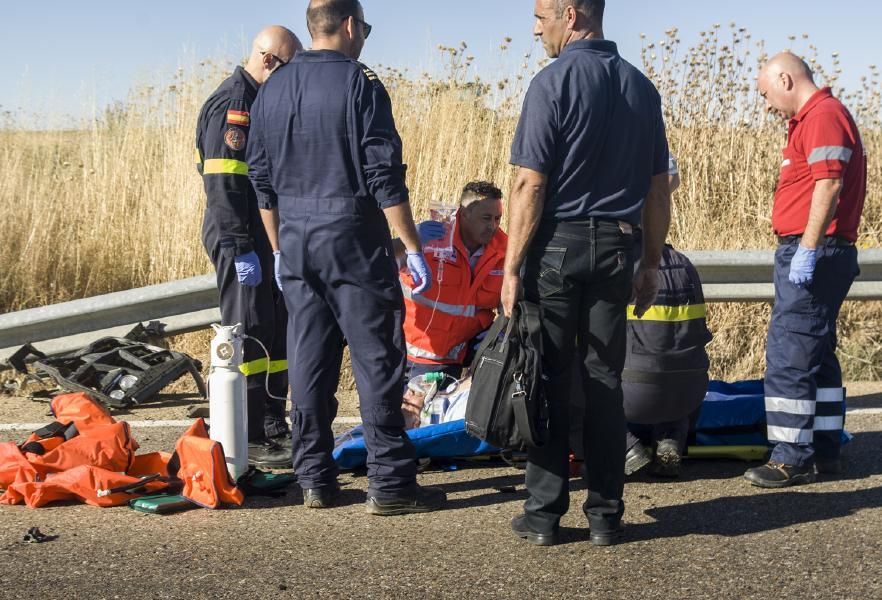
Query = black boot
x=425 y=499
x=268 y=454
x=778 y=475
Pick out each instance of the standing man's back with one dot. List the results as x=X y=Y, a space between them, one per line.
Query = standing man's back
x=326 y=164
x=593 y=161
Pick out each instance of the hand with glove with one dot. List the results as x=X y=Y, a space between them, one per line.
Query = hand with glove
x=277 y=256
x=419 y=270
x=430 y=230
x=802 y=266
x=248 y=269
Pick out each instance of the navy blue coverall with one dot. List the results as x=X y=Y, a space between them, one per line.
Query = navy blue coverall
x=325 y=152
x=232 y=227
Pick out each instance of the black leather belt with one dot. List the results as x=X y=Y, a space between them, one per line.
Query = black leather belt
x=830 y=240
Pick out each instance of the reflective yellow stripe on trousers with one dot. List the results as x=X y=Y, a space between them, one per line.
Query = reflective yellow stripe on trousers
x=258 y=366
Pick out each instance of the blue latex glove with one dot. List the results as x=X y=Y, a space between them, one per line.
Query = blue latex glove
x=476 y=341
x=248 y=269
x=430 y=230
x=802 y=267
x=277 y=256
x=419 y=270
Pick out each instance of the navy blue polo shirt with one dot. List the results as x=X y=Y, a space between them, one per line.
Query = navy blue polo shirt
x=593 y=124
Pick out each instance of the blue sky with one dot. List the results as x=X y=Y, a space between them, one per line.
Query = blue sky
x=62 y=56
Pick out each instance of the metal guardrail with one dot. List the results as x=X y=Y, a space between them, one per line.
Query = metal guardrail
x=191 y=304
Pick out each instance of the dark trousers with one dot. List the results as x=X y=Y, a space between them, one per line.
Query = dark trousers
x=667 y=406
x=341 y=280
x=261 y=311
x=805 y=401
x=580 y=274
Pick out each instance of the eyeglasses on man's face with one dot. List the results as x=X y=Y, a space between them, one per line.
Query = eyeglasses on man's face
x=278 y=60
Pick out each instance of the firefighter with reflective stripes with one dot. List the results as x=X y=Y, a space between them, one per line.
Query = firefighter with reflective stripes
x=816 y=214
x=441 y=325
x=237 y=244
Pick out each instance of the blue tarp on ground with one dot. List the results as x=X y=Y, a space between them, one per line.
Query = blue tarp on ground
x=732 y=414
x=443 y=440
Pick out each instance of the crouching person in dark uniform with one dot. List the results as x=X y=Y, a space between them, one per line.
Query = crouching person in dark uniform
x=234 y=237
x=325 y=160
x=665 y=377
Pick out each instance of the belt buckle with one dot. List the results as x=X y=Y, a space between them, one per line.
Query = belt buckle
x=626 y=227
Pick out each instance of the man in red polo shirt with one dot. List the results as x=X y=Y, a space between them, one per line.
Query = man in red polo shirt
x=816 y=214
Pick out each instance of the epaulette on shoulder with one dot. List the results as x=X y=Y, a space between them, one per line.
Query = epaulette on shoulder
x=369 y=73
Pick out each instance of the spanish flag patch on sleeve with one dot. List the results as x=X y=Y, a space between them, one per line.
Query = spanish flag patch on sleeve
x=238 y=117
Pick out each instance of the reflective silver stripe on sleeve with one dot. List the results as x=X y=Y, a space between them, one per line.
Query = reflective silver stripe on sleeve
x=829 y=153
x=790 y=434
x=457 y=310
x=829 y=423
x=791 y=407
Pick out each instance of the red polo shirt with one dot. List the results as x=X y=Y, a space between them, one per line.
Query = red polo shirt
x=823 y=143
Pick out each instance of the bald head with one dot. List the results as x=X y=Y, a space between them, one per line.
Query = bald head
x=273 y=47
x=786 y=83
x=787 y=62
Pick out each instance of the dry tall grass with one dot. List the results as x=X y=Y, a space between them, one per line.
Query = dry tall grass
x=117 y=203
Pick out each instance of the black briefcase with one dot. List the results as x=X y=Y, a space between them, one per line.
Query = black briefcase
x=507 y=406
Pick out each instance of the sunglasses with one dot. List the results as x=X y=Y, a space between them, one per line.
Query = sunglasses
x=365 y=25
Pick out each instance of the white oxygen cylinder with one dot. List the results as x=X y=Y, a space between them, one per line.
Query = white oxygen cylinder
x=227 y=400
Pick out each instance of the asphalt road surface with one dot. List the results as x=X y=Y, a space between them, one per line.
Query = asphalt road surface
x=706 y=535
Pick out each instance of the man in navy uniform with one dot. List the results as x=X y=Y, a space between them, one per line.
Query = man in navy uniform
x=234 y=237
x=326 y=161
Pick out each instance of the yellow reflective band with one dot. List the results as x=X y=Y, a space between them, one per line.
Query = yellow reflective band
x=224 y=166
x=277 y=366
x=254 y=367
x=258 y=366
x=657 y=312
x=198 y=157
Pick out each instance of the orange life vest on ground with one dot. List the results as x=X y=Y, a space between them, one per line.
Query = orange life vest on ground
x=439 y=324
x=199 y=462
x=88 y=456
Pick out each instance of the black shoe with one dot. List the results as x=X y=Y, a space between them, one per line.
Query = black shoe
x=667 y=459
x=522 y=530
x=830 y=466
x=606 y=536
x=636 y=458
x=269 y=455
x=283 y=441
x=426 y=499
x=778 y=475
x=323 y=497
